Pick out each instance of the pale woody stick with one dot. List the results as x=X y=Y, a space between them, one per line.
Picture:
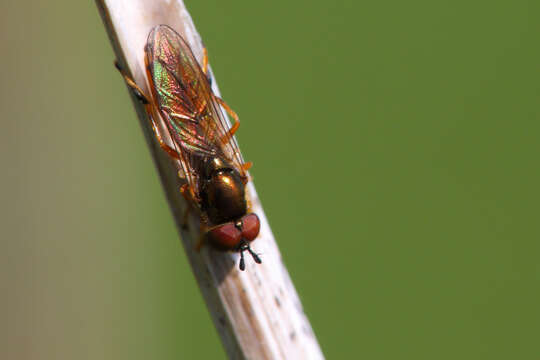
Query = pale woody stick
x=257 y=312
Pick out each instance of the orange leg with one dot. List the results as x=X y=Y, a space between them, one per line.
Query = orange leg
x=205 y=66
x=204 y=229
x=228 y=136
x=147 y=105
x=188 y=193
x=201 y=108
x=189 y=196
x=247 y=166
x=205 y=61
x=131 y=83
x=169 y=150
x=200 y=243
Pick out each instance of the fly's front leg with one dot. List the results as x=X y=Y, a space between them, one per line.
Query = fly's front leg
x=204 y=229
x=189 y=196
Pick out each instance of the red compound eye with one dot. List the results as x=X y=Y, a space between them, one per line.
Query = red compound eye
x=250 y=227
x=224 y=237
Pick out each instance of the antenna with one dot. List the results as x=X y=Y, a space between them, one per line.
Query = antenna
x=243 y=248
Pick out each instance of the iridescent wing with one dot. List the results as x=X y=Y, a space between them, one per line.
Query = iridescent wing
x=186 y=103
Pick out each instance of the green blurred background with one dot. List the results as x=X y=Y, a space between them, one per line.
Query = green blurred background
x=396 y=154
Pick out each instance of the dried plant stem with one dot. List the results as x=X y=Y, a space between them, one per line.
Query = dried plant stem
x=257 y=312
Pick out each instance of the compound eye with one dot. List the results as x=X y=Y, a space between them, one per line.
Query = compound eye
x=250 y=227
x=224 y=237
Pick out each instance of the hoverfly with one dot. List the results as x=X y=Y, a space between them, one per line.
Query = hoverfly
x=212 y=165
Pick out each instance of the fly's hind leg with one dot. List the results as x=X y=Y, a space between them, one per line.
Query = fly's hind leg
x=169 y=150
x=132 y=84
x=148 y=107
x=205 y=65
x=246 y=166
x=205 y=61
x=228 y=136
